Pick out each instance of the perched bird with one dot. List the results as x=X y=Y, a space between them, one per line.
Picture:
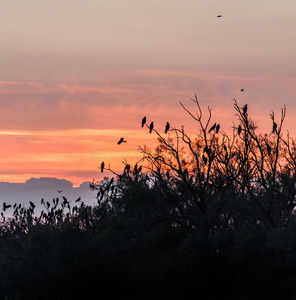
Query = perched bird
x=212 y=128
x=245 y=109
x=121 y=141
x=102 y=166
x=167 y=127
x=127 y=168
x=5 y=206
x=217 y=128
x=143 y=121
x=151 y=127
x=242 y=90
x=59 y=191
x=239 y=129
x=136 y=168
x=219 y=16
x=32 y=204
x=274 y=127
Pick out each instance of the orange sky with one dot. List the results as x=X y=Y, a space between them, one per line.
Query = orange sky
x=76 y=76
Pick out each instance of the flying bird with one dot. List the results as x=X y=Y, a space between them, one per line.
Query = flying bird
x=143 y=121
x=167 y=127
x=242 y=90
x=59 y=191
x=219 y=16
x=5 y=206
x=212 y=128
x=121 y=141
x=151 y=127
x=245 y=109
x=274 y=127
x=217 y=128
x=102 y=166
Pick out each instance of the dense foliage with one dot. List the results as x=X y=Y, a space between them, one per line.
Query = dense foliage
x=205 y=218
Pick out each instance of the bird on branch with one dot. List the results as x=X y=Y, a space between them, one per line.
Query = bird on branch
x=102 y=166
x=217 y=128
x=143 y=121
x=274 y=127
x=167 y=127
x=212 y=128
x=239 y=129
x=151 y=127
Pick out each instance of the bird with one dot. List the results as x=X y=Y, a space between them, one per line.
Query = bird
x=167 y=127
x=219 y=16
x=239 y=129
x=127 y=168
x=212 y=128
x=32 y=204
x=5 y=206
x=151 y=127
x=217 y=128
x=121 y=141
x=102 y=166
x=245 y=109
x=143 y=121
x=274 y=127
x=59 y=191
x=79 y=199
x=242 y=90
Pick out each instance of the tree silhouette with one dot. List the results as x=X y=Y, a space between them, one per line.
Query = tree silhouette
x=196 y=212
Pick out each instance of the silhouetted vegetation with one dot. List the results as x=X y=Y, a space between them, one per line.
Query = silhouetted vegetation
x=210 y=216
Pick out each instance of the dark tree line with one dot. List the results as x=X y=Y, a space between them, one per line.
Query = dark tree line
x=210 y=216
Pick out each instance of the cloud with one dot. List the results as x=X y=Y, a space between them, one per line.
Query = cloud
x=35 y=189
x=54 y=129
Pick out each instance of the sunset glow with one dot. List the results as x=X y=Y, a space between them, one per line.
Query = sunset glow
x=75 y=77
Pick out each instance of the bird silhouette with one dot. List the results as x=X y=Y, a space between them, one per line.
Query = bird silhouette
x=245 y=109
x=274 y=127
x=59 y=191
x=5 y=206
x=143 y=121
x=151 y=127
x=242 y=90
x=239 y=129
x=219 y=16
x=167 y=127
x=212 y=128
x=32 y=204
x=217 y=128
x=79 y=199
x=121 y=141
x=127 y=168
x=102 y=166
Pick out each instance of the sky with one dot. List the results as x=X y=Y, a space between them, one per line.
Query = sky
x=76 y=75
